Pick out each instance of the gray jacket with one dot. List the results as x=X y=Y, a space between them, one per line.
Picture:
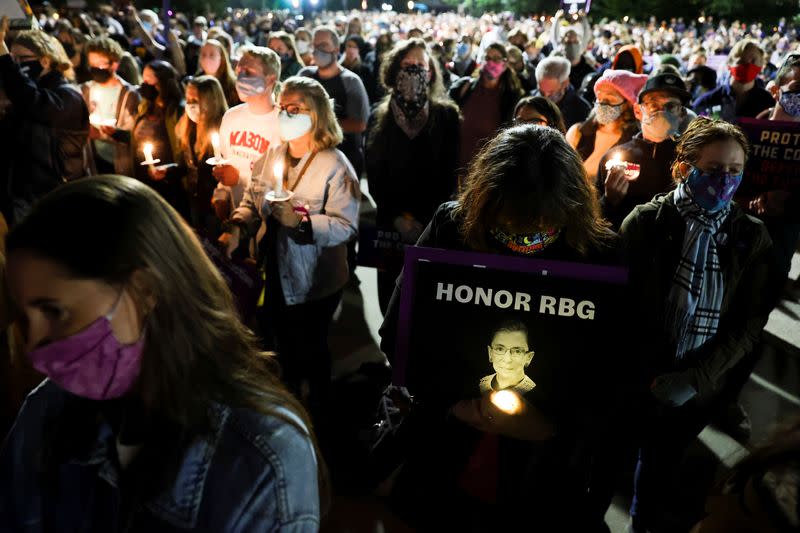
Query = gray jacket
x=329 y=189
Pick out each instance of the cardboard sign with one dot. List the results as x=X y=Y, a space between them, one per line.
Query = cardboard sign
x=475 y=323
x=774 y=161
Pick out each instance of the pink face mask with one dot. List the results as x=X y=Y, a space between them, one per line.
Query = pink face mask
x=494 y=69
x=91 y=363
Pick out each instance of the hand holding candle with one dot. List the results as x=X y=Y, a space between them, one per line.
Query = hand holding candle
x=148 y=155
x=631 y=170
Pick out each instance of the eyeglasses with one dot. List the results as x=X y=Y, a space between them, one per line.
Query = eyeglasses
x=653 y=107
x=516 y=353
x=292 y=109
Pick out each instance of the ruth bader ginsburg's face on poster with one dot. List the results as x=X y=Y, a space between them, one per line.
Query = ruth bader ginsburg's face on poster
x=475 y=323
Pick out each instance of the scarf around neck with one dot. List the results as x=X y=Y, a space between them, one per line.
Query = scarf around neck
x=695 y=299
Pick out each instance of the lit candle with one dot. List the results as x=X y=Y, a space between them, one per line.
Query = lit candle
x=95 y=120
x=215 y=145
x=148 y=153
x=615 y=161
x=277 y=172
x=507 y=401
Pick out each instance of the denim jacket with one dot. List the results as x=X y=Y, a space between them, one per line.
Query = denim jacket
x=252 y=473
x=329 y=190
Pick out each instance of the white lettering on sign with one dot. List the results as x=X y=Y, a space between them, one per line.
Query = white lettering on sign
x=521 y=301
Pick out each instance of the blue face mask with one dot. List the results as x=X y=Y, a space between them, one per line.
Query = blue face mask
x=790 y=102
x=714 y=191
x=462 y=50
x=250 y=86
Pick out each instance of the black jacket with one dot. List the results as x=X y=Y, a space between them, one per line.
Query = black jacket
x=653 y=235
x=412 y=176
x=46 y=132
x=655 y=176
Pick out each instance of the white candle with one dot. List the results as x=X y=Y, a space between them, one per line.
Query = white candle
x=507 y=401
x=615 y=161
x=95 y=120
x=277 y=172
x=215 y=144
x=148 y=153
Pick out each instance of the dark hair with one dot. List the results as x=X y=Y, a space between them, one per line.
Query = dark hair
x=544 y=107
x=198 y=352
x=511 y=325
x=701 y=132
x=532 y=176
x=169 y=87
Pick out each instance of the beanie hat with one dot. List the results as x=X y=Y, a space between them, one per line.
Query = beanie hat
x=627 y=84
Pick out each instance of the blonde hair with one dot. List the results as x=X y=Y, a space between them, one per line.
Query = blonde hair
x=44 y=45
x=740 y=47
x=327 y=132
x=267 y=57
x=212 y=106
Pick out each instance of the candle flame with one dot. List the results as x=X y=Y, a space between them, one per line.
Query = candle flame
x=507 y=401
x=148 y=151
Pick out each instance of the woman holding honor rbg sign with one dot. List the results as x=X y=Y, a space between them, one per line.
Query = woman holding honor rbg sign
x=476 y=463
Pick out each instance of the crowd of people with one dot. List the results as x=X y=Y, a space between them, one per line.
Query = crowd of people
x=134 y=141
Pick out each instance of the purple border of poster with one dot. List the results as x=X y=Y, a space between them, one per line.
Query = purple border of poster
x=417 y=254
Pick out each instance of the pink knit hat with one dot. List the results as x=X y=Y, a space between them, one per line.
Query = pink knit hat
x=625 y=83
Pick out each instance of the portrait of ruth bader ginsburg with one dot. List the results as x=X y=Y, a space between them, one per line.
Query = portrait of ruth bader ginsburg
x=510 y=355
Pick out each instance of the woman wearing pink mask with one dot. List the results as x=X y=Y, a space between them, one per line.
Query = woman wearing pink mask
x=160 y=411
x=487 y=101
x=744 y=94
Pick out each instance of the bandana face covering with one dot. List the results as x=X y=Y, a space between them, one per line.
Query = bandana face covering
x=527 y=244
x=712 y=192
x=411 y=91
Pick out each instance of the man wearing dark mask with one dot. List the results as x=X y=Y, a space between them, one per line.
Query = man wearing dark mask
x=660 y=110
x=552 y=78
x=741 y=96
x=113 y=104
x=573 y=46
x=351 y=103
x=48 y=118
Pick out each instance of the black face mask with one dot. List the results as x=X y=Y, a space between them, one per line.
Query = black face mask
x=100 y=75
x=69 y=49
x=33 y=69
x=148 y=92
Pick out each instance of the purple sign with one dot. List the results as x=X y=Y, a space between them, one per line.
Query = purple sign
x=774 y=160
x=455 y=307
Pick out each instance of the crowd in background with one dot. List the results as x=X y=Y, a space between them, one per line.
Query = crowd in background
x=256 y=133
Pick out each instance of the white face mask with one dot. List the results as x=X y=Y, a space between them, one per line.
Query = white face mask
x=293 y=127
x=660 y=126
x=303 y=47
x=193 y=112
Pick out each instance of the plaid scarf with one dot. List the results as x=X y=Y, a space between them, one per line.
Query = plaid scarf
x=694 y=302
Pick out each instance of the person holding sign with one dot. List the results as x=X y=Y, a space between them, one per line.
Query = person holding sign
x=302 y=207
x=526 y=196
x=699 y=272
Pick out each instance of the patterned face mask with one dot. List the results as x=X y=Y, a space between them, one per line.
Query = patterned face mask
x=411 y=90
x=712 y=191
x=607 y=113
x=527 y=244
x=790 y=102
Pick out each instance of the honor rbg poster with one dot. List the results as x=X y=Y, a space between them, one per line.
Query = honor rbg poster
x=474 y=323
